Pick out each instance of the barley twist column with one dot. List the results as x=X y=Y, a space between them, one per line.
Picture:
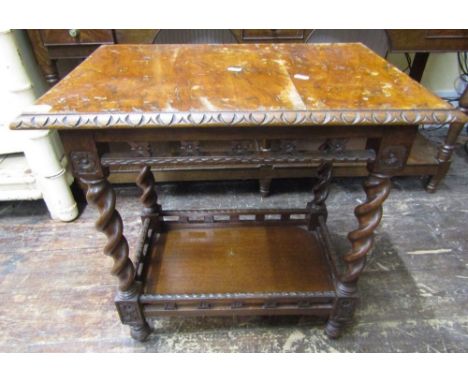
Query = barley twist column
x=321 y=188
x=368 y=214
x=149 y=198
x=101 y=195
x=377 y=187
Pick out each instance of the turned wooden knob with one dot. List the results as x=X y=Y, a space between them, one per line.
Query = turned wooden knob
x=74 y=33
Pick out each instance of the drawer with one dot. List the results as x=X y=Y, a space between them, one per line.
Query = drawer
x=273 y=34
x=76 y=36
x=447 y=33
x=234 y=147
x=428 y=40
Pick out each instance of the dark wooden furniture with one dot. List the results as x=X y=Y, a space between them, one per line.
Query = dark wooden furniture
x=55 y=45
x=272 y=35
x=424 y=41
x=51 y=45
x=245 y=107
x=69 y=47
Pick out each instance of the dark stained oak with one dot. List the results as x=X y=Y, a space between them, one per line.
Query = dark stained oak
x=53 y=37
x=428 y=40
x=271 y=35
x=242 y=85
x=210 y=78
x=61 y=45
x=223 y=107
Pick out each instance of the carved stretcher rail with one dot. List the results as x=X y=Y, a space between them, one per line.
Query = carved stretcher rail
x=153 y=298
x=267 y=160
x=238 y=118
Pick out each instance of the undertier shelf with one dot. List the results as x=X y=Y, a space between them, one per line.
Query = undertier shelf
x=237 y=269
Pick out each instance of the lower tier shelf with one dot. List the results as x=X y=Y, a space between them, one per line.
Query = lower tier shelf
x=259 y=268
x=237 y=260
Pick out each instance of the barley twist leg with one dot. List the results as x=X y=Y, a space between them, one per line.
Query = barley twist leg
x=101 y=195
x=149 y=198
x=368 y=214
x=377 y=187
x=321 y=188
x=87 y=167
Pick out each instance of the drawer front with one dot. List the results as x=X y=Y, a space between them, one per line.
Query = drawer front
x=447 y=33
x=76 y=36
x=235 y=147
x=428 y=40
x=272 y=34
x=227 y=148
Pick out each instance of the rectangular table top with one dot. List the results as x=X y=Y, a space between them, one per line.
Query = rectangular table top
x=235 y=84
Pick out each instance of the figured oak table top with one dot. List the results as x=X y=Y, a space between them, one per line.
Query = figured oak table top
x=235 y=85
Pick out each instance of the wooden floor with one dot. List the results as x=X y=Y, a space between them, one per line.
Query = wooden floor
x=56 y=291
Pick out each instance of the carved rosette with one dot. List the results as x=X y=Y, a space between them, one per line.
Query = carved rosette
x=149 y=198
x=333 y=145
x=141 y=149
x=393 y=157
x=241 y=147
x=288 y=146
x=189 y=148
x=83 y=162
x=129 y=312
x=101 y=195
x=369 y=214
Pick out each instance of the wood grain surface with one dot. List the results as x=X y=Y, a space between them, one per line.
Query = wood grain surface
x=237 y=260
x=165 y=78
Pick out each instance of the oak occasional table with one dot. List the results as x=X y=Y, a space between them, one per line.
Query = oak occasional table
x=66 y=47
x=233 y=99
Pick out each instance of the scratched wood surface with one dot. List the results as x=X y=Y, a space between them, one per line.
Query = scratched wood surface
x=168 y=78
x=56 y=293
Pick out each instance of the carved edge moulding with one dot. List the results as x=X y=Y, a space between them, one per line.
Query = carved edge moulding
x=242 y=118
